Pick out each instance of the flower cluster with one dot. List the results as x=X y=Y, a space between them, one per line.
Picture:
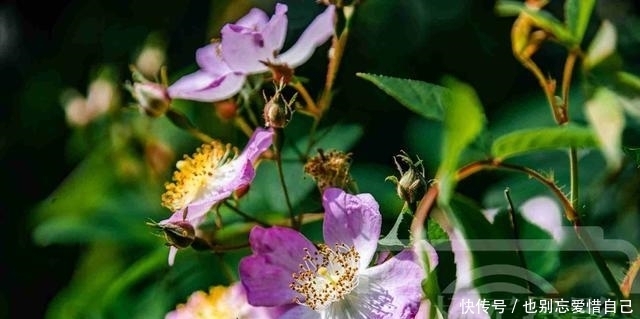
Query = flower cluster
x=287 y=276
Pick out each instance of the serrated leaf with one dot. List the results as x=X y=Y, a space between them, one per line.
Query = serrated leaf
x=425 y=99
x=577 y=14
x=606 y=116
x=464 y=119
x=541 y=19
x=529 y=140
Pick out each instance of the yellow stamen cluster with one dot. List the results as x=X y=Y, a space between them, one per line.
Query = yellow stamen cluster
x=326 y=276
x=215 y=304
x=194 y=172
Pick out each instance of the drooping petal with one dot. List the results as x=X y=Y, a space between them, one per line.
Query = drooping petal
x=277 y=255
x=260 y=141
x=205 y=87
x=317 y=33
x=209 y=58
x=390 y=290
x=352 y=220
x=255 y=19
x=194 y=213
x=274 y=33
x=173 y=251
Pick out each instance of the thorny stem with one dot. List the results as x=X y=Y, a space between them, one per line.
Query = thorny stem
x=430 y=196
x=279 y=142
x=245 y=215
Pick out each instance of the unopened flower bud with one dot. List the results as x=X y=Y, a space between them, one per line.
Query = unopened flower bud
x=412 y=181
x=330 y=169
x=152 y=98
x=150 y=60
x=276 y=115
x=179 y=234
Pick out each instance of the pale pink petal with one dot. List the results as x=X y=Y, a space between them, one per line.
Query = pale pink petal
x=274 y=33
x=172 y=255
x=260 y=141
x=392 y=289
x=209 y=58
x=352 y=220
x=244 y=51
x=317 y=33
x=277 y=254
x=255 y=19
x=301 y=312
x=205 y=87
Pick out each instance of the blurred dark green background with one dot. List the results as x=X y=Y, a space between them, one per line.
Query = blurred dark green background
x=48 y=47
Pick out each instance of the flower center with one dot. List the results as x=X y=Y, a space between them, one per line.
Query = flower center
x=193 y=173
x=326 y=276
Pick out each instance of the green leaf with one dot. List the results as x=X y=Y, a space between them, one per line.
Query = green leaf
x=602 y=46
x=606 y=116
x=529 y=140
x=425 y=99
x=464 y=119
x=541 y=19
x=577 y=14
x=398 y=236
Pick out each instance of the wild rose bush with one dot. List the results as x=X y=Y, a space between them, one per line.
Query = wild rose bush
x=236 y=190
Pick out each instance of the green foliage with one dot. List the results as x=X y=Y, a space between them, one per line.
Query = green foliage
x=531 y=140
x=425 y=99
x=577 y=14
x=463 y=121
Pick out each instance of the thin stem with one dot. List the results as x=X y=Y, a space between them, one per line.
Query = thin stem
x=280 y=141
x=574 y=177
x=310 y=104
x=516 y=233
x=566 y=81
x=244 y=215
x=544 y=84
x=422 y=212
x=587 y=241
